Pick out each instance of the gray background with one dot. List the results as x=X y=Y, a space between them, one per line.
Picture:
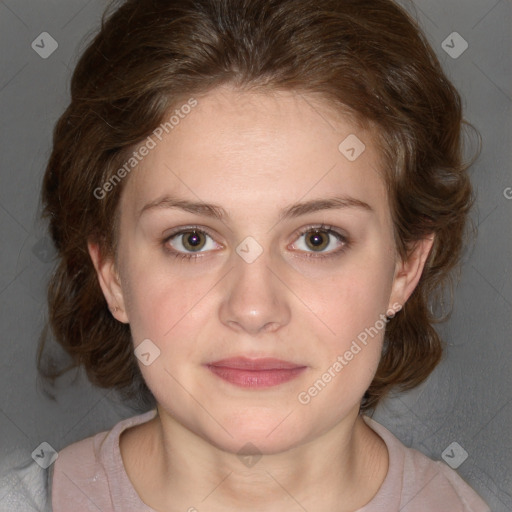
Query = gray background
x=468 y=398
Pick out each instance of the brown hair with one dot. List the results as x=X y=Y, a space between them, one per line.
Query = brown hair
x=365 y=56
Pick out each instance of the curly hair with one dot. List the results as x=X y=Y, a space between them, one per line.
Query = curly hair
x=365 y=57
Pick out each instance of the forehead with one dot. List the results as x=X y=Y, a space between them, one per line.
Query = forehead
x=256 y=151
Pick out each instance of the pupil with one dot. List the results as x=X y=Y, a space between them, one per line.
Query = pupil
x=193 y=240
x=317 y=240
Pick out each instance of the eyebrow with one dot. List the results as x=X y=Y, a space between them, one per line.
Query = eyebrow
x=295 y=210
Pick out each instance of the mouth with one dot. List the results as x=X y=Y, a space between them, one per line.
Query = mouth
x=255 y=373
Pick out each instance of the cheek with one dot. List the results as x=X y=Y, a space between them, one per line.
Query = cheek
x=352 y=305
x=351 y=355
x=162 y=310
x=166 y=305
x=354 y=297
x=159 y=306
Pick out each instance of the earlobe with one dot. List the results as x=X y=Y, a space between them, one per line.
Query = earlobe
x=109 y=281
x=408 y=273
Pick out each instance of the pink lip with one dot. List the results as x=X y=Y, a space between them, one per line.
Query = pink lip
x=255 y=373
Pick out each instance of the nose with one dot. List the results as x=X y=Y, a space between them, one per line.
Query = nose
x=255 y=300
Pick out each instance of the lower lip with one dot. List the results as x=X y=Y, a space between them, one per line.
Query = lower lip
x=255 y=379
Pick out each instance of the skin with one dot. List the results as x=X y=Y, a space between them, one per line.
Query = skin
x=255 y=154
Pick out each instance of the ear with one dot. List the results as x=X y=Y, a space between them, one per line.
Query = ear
x=408 y=273
x=109 y=281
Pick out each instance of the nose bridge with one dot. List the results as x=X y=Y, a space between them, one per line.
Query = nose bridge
x=255 y=299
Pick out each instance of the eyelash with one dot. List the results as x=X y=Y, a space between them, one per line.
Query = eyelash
x=324 y=228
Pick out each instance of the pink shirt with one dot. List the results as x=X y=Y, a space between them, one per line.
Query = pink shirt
x=89 y=476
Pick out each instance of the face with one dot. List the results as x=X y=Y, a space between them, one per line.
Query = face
x=293 y=260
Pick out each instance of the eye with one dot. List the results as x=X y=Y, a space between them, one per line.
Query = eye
x=321 y=239
x=317 y=241
x=188 y=241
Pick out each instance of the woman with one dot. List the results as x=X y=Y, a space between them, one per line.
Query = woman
x=255 y=204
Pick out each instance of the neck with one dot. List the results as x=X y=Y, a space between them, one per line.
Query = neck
x=173 y=468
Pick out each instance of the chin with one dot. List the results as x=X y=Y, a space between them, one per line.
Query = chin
x=249 y=444
x=268 y=437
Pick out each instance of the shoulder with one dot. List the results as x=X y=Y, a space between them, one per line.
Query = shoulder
x=24 y=485
x=79 y=476
x=434 y=483
x=424 y=484
x=86 y=472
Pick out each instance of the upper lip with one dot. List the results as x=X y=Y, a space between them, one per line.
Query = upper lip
x=264 y=363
